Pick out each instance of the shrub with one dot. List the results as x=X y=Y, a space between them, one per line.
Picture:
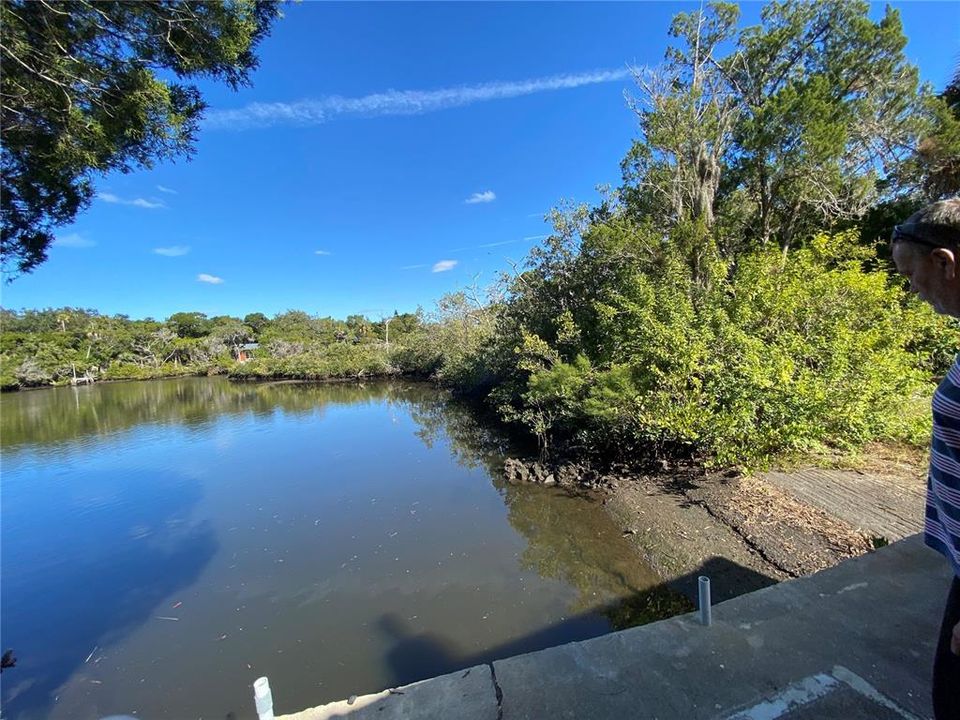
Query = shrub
x=319 y=362
x=769 y=355
x=134 y=371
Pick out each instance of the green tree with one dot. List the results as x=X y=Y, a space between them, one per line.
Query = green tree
x=934 y=170
x=189 y=324
x=292 y=325
x=359 y=327
x=88 y=88
x=403 y=324
x=686 y=118
x=257 y=322
x=232 y=333
x=831 y=104
x=153 y=344
x=952 y=92
x=781 y=128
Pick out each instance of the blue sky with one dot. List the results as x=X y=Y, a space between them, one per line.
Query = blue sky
x=386 y=154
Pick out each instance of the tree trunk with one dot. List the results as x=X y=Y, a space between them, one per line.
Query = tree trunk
x=708 y=179
x=789 y=229
x=766 y=207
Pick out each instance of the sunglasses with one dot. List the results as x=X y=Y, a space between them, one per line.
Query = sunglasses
x=928 y=234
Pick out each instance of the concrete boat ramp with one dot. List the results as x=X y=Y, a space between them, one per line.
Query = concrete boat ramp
x=855 y=642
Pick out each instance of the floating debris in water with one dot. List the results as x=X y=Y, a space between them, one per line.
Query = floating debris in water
x=167 y=617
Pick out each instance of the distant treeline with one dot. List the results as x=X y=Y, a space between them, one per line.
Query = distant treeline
x=67 y=345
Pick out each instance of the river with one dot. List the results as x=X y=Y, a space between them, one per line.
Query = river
x=165 y=543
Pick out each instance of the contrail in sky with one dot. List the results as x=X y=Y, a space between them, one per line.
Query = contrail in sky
x=396 y=102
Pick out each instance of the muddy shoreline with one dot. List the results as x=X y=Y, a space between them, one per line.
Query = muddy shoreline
x=743 y=532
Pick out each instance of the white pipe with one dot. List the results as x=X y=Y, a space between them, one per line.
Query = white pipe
x=705 y=614
x=264 y=698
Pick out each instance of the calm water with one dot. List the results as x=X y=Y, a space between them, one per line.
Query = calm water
x=166 y=543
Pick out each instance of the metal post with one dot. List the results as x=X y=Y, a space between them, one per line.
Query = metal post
x=705 y=616
x=263 y=698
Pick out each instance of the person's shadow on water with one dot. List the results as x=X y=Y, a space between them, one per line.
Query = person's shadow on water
x=419 y=656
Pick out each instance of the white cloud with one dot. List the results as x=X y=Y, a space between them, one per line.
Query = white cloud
x=397 y=102
x=150 y=204
x=212 y=279
x=169 y=191
x=493 y=245
x=444 y=265
x=172 y=251
x=481 y=197
x=137 y=202
x=322 y=252
x=73 y=240
x=414 y=267
x=484 y=245
x=498 y=244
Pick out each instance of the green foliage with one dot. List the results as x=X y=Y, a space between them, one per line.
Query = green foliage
x=90 y=88
x=132 y=371
x=724 y=302
x=771 y=355
x=451 y=346
x=51 y=347
x=934 y=169
x=319 y=362
x=257 y=322
x=189 y=324
x=780 y=129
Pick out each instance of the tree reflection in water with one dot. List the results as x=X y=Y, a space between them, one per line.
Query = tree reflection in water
x=570 y=537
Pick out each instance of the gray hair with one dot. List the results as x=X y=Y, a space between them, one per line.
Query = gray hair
x=936 y=225
x=942 y=212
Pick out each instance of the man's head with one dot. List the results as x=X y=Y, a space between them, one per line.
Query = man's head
x=926 y=250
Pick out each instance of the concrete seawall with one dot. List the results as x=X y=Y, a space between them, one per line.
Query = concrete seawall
x=855 y=641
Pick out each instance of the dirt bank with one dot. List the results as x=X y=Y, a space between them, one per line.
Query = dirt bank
x=748 y=531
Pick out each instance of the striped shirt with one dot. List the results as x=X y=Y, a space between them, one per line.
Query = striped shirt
x=942 y=525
